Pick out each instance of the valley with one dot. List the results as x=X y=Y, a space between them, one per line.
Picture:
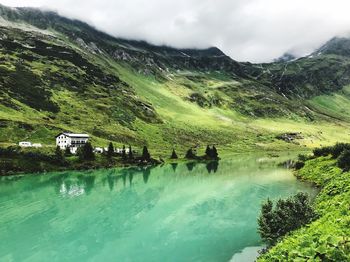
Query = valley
x=60 y=75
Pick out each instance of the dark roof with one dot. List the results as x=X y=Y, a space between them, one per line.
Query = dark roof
x=73 y=135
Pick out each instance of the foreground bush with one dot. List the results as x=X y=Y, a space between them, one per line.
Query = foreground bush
x=344 y=160
x=286 y=216
x=328 y=237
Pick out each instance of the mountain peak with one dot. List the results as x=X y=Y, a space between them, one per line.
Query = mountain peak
x=335 y=46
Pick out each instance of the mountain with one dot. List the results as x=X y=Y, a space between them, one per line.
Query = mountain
x=286 y=57
x=58 y=74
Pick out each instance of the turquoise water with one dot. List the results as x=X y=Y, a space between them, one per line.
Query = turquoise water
x=169 y=213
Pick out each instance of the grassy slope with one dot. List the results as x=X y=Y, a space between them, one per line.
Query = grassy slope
x=327 y=238
x=183 y=123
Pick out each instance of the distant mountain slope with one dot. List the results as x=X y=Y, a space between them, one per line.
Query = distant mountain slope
x=58 y=74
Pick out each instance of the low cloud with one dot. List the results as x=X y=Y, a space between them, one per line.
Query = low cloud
x=247 y=30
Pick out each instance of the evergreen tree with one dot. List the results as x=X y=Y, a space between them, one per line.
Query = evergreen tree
x=110 y=150
x=208 y=152
x=67 y=152
x=145 y=154
x=214 y=153
x=59 y=157
x=86 y=152
x=131 y=155
x=173 y=155
x=124 y=152
x=286 y=216
x=190 y=154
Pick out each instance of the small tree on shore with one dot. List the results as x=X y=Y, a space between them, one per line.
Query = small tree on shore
x=86 y=152
x=214 y=153
x=208 y=152
x=131 y=155
x=173 y=155
x=59 y=157
x=110 y=150
x=146 y=156
x=190 y=154
x=67 y=152
x=124 y=152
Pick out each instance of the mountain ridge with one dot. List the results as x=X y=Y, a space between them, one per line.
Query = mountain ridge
x=57 y=73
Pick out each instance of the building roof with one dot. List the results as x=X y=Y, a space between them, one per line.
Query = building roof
x=74 y=135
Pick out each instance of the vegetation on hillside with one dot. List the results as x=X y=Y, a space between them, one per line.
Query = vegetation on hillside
x=63 y=75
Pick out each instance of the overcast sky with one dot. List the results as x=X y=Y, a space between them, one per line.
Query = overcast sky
x=247 y=30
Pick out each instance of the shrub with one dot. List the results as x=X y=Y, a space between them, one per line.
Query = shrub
x=287 y=215
x=335 y=150
x=299 y=165
x=344 y=160
x=190 y=154
x=322 y=151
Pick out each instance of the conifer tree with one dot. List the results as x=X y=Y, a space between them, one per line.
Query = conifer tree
x=86 y=152
x=190 y=154
x=173 y=155
x=124 y=152
x=131 y=155
x=145 y=154
x=208 y=152
x=110 y=150
x=67 y=152
x=59 y=157
x=214 y=153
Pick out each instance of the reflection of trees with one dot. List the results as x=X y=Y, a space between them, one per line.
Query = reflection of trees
x=212 y=166
x=87 y=181
x=131 y=176
x=174 y=166
x=146 y=172
x=190 y=166
x=110 y=181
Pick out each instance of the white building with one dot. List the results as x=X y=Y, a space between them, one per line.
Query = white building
x=25 y=144
x=120 y=150
x=37 y=145
x=73 y=141
x=98 y=150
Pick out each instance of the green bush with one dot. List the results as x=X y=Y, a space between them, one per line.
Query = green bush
x=335 y=150
x=286 y=216
x=344 y=160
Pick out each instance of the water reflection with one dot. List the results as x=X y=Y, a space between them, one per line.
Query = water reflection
x=212 y=166
x=174 y=166
x=190 y=166
x=146 y=172
x=78 y=183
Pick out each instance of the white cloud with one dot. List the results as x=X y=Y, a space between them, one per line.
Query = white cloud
x=253 y=30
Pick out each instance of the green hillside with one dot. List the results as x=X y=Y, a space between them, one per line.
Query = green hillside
x=59 y=75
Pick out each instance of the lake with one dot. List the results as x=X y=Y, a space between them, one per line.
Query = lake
x=184 y=212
